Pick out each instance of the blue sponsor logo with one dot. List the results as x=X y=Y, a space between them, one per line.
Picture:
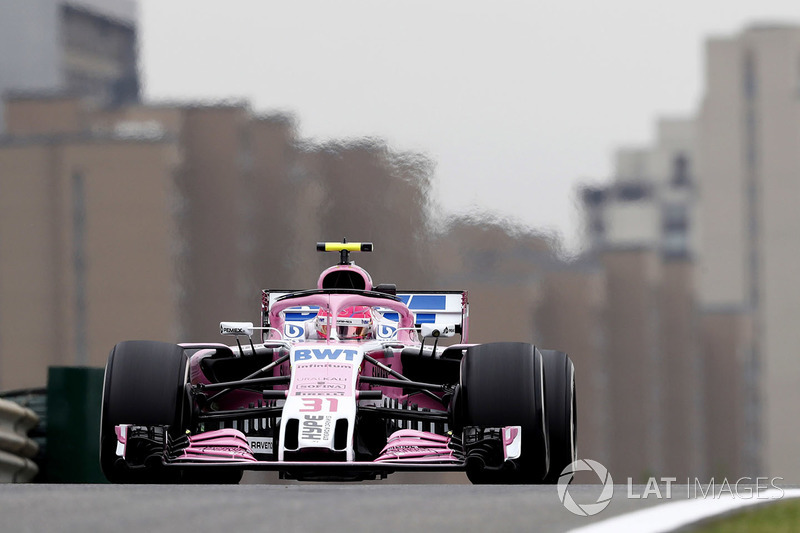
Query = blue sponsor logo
x=299 y=315
x=426 y=318
x=427 y=302
x=386 y=332
x=309 y=354
x=424 y=307
x=293 y=331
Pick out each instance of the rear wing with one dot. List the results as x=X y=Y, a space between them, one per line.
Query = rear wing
x=428 y=307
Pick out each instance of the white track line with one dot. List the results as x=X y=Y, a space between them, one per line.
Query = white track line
x=672 y=515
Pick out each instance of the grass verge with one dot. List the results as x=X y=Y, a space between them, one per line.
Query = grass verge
x=780 y=517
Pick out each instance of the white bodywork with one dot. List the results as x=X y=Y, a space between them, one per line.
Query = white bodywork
x=322 y=392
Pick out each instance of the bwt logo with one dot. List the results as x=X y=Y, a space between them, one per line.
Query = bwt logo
x=306 y=354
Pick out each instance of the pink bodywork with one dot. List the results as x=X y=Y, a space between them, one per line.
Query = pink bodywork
x=510 y=435
x=335 y=303
x=322 y=378
x=403 y=446
x=220 y=446
x=418 y=447
x=230 y=446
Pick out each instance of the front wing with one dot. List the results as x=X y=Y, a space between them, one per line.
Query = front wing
x=405 y=450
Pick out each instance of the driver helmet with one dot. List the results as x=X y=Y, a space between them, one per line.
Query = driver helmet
x=352 y=323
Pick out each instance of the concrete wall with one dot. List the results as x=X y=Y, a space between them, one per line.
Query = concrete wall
x=680 y=373
x=724 y=269
x=778 y=139
x=727 y=339
x=210 y=185
x=52 y=115
x=632 y=354
x=32 y=320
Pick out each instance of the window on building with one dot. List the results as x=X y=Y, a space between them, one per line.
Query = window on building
x=750 y=86
x=680 y=171
x=674 y=217
x=675 y=244
x=633 y=191
x=593 y=196
x=598 y=227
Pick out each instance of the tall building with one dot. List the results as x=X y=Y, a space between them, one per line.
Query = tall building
x=749 y=168
x=650 y=201
x=642 y=230
x=716 y=198
x=86 y=47
x=87 y=239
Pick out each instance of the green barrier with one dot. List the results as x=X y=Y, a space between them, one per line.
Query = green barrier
x=74 y=395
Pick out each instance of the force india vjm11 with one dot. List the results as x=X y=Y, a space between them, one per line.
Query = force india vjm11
x=348 y=382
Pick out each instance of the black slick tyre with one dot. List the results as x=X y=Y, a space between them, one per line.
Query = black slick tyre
x=143 y=386
x=502 y=385
x=560 y=410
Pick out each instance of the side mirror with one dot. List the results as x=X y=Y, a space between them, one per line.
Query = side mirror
x=437 y=330
x=236 y=328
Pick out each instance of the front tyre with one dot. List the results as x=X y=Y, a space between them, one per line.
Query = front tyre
x=502 y=385
x=143 y=386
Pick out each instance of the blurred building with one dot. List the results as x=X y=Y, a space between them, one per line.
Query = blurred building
x=570 y=316
x=696 y=238
x=86 y=47
x=643 y=232
x=749 y=168
x=159 y=221
x=520 y=291
x=87 y=237
x=651 y=201
x=501 y=268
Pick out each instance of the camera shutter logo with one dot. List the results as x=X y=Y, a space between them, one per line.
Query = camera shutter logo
x=586 y=509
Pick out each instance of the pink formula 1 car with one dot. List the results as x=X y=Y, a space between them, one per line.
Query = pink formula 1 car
x=348 y=382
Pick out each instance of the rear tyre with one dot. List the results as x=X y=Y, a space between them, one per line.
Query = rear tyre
x=501 y=385
x=560 y=410
x=143 y=386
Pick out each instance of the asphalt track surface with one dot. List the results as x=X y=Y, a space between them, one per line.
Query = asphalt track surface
x=309 y=507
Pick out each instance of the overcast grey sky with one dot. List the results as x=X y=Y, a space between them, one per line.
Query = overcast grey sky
x=517 y=102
